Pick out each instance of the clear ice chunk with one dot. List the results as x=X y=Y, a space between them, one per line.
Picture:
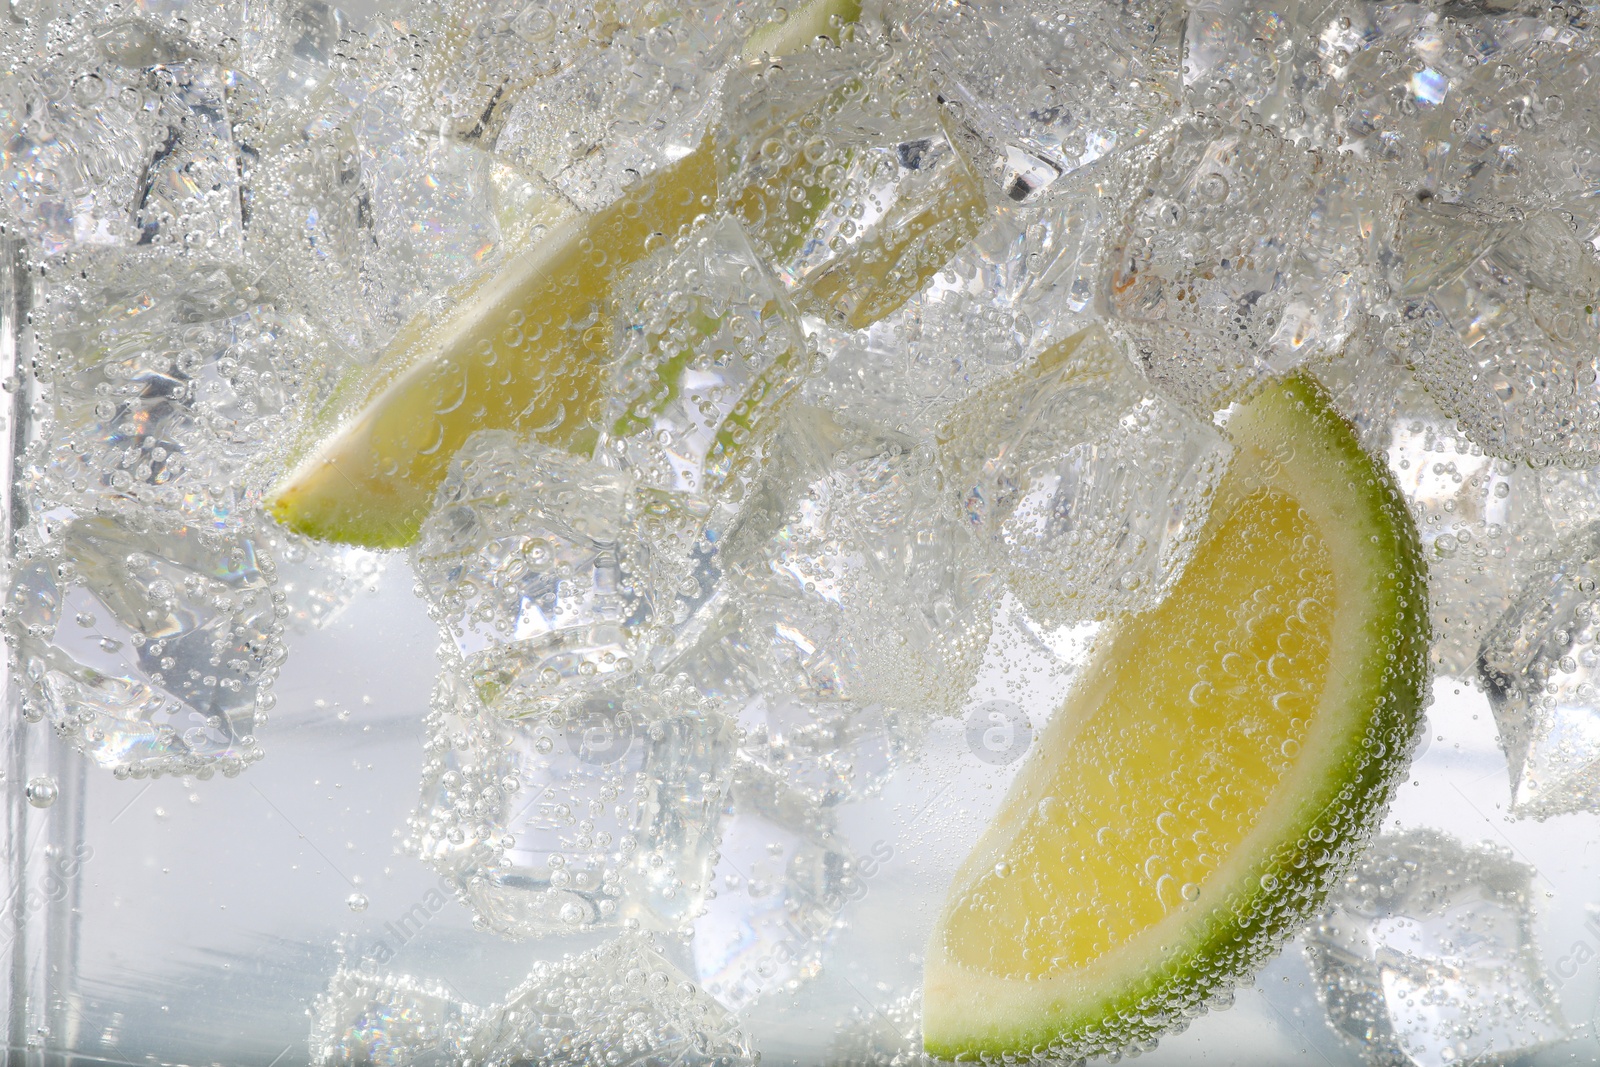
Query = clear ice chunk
x=1023 y=283
x=433 y=212
x=1508 y=306
x=172 y=386
x=389 y=1020
x=312 y=224
x=600 y=815
x=150 y=647
x=530 y=563
x=590 y=98
x=1250 y=55
x=1541 y=664
x=1085 y=487
x=1243 y=256
x=1045 y=89
x=777 y=890
x=1513 y=111
x=857 y=579
x=72 y=144
x=1481 y=520
x=624 y=1003
x=189 y=191
x=825 y=751
x=708 y=348
x=1425 y=956
x=837 y=163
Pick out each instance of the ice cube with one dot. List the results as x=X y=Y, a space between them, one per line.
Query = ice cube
x=72 y=142
x=189 y=191
x=362 y=221
x=530 y=562
x=1247 y=55
x=1539 y=664
x=1512 y=129
x=1244 y=255
x=826 y=751
x=149 y=646
x=623 y=1003
x=590 y=98
x=389 y=1020
x=1048 y=88
x=1425 y=956
x=599 y=815
x=857 y=580
x=1508 y=306
x=173 y=386
x=433 y=211
x=1025 y=281
x=1085 y=487
x=708 y=347
x=779 y=884
x=311 y=223
x=1481 y=520
x=837 y=162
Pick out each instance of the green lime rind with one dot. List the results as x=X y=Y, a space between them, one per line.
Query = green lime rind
x=1279 y=892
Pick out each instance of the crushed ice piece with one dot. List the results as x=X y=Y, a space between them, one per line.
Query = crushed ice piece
x=1087 y=489
x=780 y=882
x=1540 y=663
x=837 y=163
x=1425 y=956
x=708 y=347
x=1507 y=304
x=857 y=579
x=150 y=647
x=1243 y=256
x=1043 y=89
x=623 y=1004
x=389 y=1020
x=173 y=386
x=530 y=563
x=599 y=815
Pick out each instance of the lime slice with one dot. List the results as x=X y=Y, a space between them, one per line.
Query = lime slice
x=523 y=350
x=1222 y=759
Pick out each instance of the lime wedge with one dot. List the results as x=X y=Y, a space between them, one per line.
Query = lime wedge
x=1222 y=759
x=524 y=350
